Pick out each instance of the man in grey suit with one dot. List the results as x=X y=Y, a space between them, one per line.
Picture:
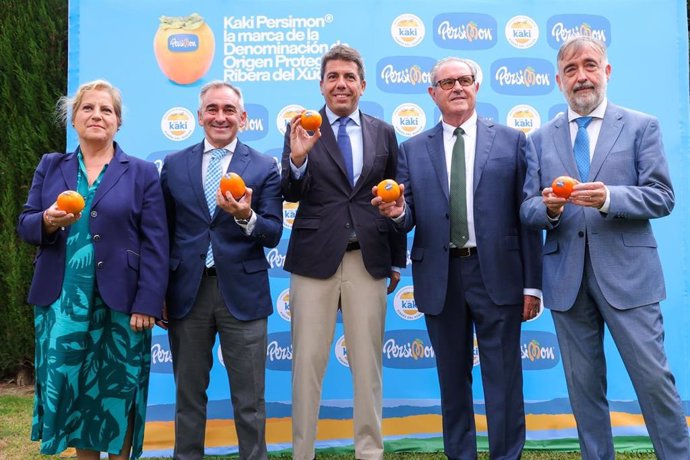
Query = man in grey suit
x=477 y=270
x=600 y=260
x=341 y=251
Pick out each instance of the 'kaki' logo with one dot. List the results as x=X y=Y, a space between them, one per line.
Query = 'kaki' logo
x=184 y=48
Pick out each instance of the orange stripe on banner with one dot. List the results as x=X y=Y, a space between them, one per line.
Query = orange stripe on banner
x=160 y=435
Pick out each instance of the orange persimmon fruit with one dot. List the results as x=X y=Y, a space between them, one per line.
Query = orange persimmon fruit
x=310 y=120
x=388 y=190
x=184 y=48
x=233 y=183
x=563 y=186
x=71 y=202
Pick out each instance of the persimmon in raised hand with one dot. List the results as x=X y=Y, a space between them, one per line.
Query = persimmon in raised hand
x=233 y=183
x=310 y=120
x=563 y=186
x=71 y=202
x=388 y=190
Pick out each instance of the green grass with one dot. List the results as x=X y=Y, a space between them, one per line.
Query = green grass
x=15 y=443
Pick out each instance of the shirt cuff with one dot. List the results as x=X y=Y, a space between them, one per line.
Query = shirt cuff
x=298 y=172
x=249 y=226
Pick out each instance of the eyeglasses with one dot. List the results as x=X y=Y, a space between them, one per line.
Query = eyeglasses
x=449 y=83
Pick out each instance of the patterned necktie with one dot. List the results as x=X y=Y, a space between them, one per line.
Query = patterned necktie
x=346 y=148
x=581 y=147
x=213 y=175
x=459 y=232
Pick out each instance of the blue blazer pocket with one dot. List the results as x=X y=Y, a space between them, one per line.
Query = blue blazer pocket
x=639 y=240
x=255 y=265
x=133 y=260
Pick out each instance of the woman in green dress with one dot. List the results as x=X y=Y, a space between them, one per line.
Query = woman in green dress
x=99 y=283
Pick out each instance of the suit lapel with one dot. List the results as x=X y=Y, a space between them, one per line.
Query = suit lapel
x=240 y=159
x=117 y=167
x=194 y=172
x=437 y=157
x=69 y=167
x=331 y=145
x=564 y=145
x=611 y=128
x=369 y=140
x=485 y=139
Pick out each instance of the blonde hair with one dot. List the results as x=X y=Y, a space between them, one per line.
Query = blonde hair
x=67 y=106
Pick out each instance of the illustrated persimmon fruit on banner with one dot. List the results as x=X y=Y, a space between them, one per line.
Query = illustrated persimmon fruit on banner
x=184 y=47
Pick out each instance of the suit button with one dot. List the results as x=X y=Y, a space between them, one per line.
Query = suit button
x=445 y=247
x=580 y=234
x=347 y=225
x=94 y=213
x=96 y=237
x=447 y=216
x=99 y=264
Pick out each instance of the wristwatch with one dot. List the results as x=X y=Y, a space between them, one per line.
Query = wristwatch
x=245 y=221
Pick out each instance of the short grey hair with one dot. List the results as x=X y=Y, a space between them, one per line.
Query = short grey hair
x=220 y=84
x=441 y=62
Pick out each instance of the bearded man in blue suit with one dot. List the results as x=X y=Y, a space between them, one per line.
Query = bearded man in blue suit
x=601 y=265
x=486 y=277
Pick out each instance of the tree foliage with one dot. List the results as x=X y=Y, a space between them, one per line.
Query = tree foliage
x=33 y=75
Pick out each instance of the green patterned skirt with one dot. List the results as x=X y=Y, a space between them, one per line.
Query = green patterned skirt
x=92 y=372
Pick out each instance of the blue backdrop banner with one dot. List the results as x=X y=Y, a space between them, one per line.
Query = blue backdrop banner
x=159 y=54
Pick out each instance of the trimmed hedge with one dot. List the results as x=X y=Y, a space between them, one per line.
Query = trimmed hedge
x=33 y=75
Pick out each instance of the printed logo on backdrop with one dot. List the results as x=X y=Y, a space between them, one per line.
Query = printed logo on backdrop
x=465 y=31
x=404 y=74
x=484 y=110
x=539 y=350
x=289 y=213
x=408 y=349
x=158 y=157
x=279 y=351
x=263 y=48
x=341 y=351
x=522 y=32
x=523 y=117
x=178 y=123
x=283 y=305
x=565 y=26
x=522 y=76
x=257 y=123
x=558 y=109
x=407 y=30
x=276 y=259
x=161 y=357
x=404 y=304
x=408 y=119
x=285 y=115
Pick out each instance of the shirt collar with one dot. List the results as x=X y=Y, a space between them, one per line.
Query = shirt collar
x=469 y=126
x=230 y=147
x=332 y=118
x=598 y=112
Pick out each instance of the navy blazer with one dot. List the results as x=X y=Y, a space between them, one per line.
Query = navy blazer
x=127 y=225
x=509 y=253
x=241 y=264
x=330 y=208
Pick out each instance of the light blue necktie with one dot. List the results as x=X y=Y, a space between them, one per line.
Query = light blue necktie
x=346 y=148
x=213 y=175
x=581 y=147
x=459 y=229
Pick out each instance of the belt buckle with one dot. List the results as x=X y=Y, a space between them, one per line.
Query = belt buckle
x=465 y=252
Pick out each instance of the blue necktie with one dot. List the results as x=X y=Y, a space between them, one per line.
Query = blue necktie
x=581 y=147
x=459 y=230
x=346 y=148
x=213 y=175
